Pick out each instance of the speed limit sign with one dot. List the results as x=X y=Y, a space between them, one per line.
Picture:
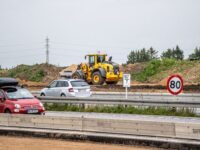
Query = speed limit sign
x=175 y=84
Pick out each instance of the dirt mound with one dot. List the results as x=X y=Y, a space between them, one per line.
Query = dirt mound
x=51 y=73
x=71 y=68
x=31 y=84
x=189 y=73
x=130 y=68
x=35 y=74
x=42 y=74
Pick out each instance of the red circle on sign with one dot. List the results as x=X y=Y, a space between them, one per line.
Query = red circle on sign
x=168 y=84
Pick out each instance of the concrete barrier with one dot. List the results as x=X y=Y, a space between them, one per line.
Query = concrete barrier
x=182 y=128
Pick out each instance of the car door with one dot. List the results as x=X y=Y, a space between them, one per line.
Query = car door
x=2 y=102
x=59 y=87
x=50 y=91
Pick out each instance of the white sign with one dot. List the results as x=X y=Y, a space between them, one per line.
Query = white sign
x=126 y=80
x=175 y=84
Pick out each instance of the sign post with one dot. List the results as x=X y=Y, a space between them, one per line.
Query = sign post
x=175 y=84
x=126 y=82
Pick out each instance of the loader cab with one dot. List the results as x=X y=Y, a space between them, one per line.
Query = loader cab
x=91 y=60
x=101 y=58
x=94 y=59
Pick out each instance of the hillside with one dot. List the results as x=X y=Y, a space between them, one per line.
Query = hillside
x=33 y=75
x=154 y=72
x=158 y=71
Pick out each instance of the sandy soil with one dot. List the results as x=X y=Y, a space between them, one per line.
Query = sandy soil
x=25 y=143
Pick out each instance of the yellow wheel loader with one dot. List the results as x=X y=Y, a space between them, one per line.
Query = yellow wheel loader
x=98 y=70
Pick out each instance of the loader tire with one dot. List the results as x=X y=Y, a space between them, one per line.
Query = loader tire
x=97 y=79
x=76 y=75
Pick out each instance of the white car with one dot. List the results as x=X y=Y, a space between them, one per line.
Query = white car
x=67 y=88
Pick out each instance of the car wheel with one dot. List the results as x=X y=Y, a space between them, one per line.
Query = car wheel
x=76 y=75
x=43 y=113
x=42 y=94
x=63 y=95
x=7 y=111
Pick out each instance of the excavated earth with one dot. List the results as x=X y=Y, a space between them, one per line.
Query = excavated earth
x=27 y=143
x=157 y=83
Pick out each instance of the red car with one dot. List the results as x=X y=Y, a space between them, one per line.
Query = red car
x=18 y=100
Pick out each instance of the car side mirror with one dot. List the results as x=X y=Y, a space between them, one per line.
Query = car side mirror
x=48 y=86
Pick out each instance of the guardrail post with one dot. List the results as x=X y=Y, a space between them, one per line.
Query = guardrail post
x=82 y=123
x=82 y=106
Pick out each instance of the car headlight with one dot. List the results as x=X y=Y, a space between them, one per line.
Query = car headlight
x=17 y=106
x=41 y=104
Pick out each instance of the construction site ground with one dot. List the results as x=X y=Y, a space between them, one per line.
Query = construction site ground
x=28 y=143
x=190 y=71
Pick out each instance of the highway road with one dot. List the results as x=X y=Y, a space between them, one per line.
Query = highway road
x=191 y=101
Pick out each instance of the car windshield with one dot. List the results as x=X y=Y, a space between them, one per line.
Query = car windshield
x=79 y=83
x=19 y=94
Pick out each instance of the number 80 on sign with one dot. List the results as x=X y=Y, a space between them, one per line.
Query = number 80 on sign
x=175 y=84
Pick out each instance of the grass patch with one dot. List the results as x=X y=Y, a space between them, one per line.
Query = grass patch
x=154 y=67
x=37 y=76
x=33 y=73
x=123 y=110
x=157 y=70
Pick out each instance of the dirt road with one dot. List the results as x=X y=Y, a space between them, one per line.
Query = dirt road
x=25 y=143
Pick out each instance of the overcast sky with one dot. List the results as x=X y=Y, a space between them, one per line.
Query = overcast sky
x=78 y=27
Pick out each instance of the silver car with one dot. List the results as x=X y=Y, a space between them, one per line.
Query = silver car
x=66 y=88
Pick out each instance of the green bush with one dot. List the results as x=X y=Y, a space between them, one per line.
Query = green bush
x=15 y=72
x=123 y=109
x=37 y=77
x=31 y=73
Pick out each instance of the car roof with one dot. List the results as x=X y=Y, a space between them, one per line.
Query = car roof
x=69 y=80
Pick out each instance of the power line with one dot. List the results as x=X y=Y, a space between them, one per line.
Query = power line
x=18 y=44
x=20 y=56
x=91 y=45
x=21 y=50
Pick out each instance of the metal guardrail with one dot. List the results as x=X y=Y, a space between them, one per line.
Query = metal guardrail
x=145 y=96
x=190 y=101
x=135 y=94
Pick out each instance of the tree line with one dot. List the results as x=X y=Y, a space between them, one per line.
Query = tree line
x=144 y=55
